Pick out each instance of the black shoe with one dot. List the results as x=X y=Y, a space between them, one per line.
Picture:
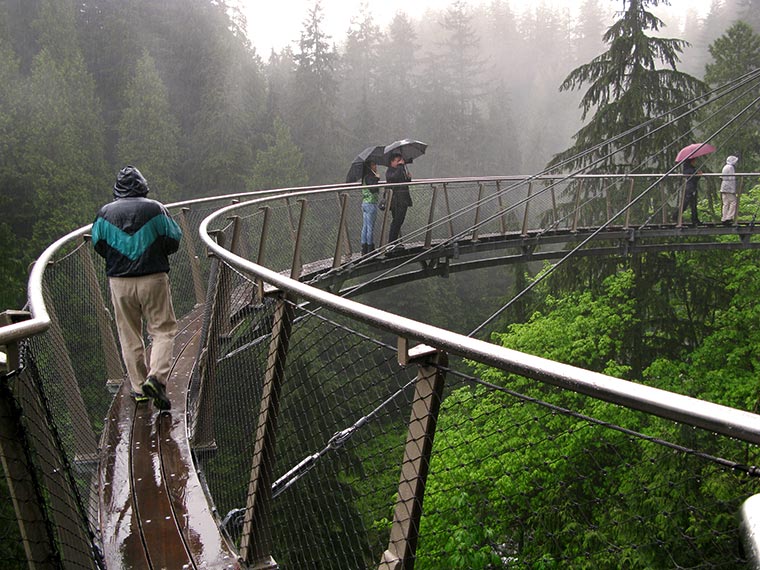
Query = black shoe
x=728 y=222
x=138 y=397
x=157 y=391
x=365 y=248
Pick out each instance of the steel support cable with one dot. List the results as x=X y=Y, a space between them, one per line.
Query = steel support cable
x=751 y=76
x=544 y=274
x=751 y=470
x=737 y=127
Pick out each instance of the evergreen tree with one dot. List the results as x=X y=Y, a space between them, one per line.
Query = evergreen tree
x=634 y=80
x=314 y=117
x=735 y=54
x=360 y=77
x=280 y=164
x=397 y=88
x=62 y=148
x=148 y=132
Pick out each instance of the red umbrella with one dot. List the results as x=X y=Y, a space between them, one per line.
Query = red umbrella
x=694 y=150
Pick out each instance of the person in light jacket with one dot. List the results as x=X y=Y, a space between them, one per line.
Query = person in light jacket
x=728 y=191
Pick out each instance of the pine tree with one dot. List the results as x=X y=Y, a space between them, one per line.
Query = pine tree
x=315 y=128
x=148 y=132
x=736 y=53
x=634 y=80
x=280 y=164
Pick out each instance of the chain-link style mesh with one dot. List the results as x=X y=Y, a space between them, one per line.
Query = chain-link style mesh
x=517 y=478
x=492 y=495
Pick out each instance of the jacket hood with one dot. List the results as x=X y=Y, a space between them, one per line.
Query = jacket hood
x=732 y=160
x=130 y=183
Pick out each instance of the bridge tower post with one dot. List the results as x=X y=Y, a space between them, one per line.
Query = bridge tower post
x=428 y=393
x=256 y=540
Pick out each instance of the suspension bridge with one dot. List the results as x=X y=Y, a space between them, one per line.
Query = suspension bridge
x=303 y=425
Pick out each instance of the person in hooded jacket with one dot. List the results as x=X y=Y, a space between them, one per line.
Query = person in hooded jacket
x=728 y=190
x=136 y=235
x=690 y=199
x=400 y=199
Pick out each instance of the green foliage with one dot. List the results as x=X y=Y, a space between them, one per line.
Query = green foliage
x=280 y=165
x=634 y=80
x=735 y=54
x=148 y=131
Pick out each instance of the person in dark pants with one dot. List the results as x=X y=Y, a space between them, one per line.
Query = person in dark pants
x=136 y=235
x=401 y=199
x=690 y=198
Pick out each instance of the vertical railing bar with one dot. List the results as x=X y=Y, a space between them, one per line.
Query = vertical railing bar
x=476 y=228
x=524 y=230
x=431 y=218
x=448 y=209
x=428 y=393
x=577 y=204
x=297 y=265
x=188 y=239
x=388 y=197
x=256 y=538
x=262 y=250
x=342 y=237
x=503 y=216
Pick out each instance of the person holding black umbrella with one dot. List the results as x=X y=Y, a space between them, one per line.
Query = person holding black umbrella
x=401 y=199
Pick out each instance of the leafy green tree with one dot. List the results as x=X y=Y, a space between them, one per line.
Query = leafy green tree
x=735 y=54
x=280 y=164
x=148 y=132
x=634 y=80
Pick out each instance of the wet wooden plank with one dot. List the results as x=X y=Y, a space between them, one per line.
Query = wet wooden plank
x=154 y=512
x=122 y=541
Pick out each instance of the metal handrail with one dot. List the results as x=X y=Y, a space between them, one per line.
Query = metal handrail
x=714 y=417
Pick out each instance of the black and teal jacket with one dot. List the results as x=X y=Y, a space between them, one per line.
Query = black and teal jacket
x=135 y=235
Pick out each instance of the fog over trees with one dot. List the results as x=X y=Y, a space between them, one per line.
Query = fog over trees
x=176 y=88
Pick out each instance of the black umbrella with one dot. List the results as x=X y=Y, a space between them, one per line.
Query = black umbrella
x=369 y=154
x=408 y=148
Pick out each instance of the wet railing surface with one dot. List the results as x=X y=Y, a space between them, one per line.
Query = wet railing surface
x=298 y=411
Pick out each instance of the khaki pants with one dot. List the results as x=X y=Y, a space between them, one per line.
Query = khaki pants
x=146 y=298
x=729 y=206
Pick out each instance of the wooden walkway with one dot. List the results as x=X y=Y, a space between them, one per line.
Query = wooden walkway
x=153 y=510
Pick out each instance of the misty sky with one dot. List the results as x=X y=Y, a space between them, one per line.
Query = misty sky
x=275 y=24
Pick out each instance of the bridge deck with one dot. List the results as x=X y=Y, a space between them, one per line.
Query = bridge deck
x=153 y=510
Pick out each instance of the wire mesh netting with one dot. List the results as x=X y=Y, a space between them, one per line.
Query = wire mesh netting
x=517 y=480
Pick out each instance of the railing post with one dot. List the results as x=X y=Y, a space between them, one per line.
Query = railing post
x=426 y=403
x=262 y=250
x=85 y=443
x=524 y=230
x=448 y=209
x=383 y=234
x=114 y=369
x=502 y=217
x=628 y=210
x=681 y=203
x=431 y=218
x=555 y=217
x=475 y=227
x=22 y=481
x=608 y=201
x=188 y=240
x=256 y=540
x=202 y=432
x=342 y=239
x=577 y=205
x=297 y=265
